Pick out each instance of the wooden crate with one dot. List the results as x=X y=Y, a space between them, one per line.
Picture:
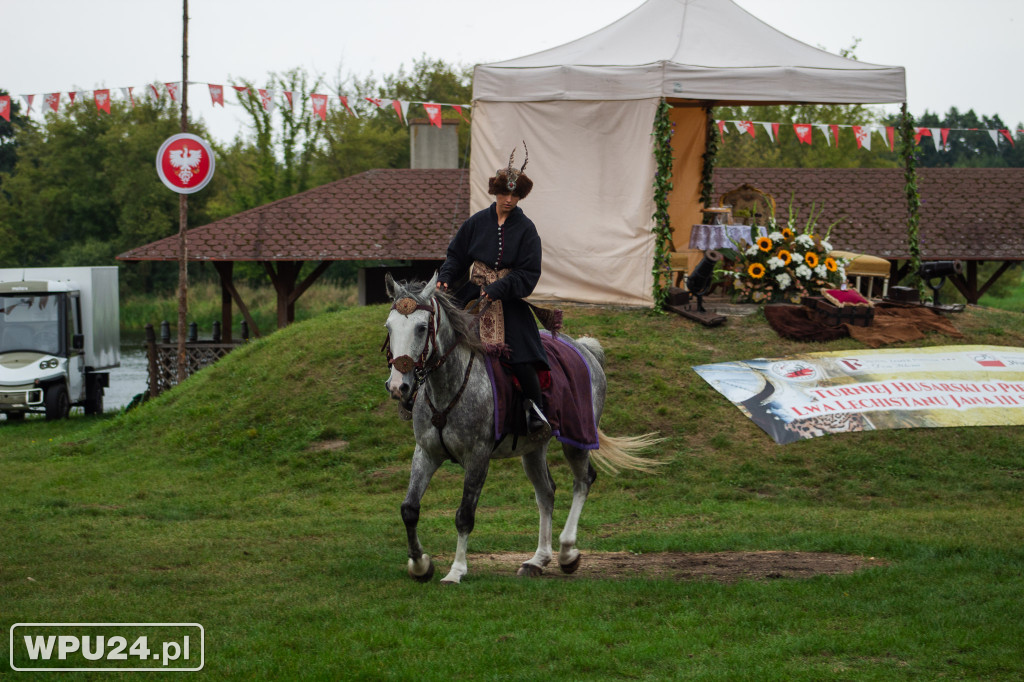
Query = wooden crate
x=826 y=313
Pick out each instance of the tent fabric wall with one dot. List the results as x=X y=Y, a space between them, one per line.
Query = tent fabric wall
x=592 y=163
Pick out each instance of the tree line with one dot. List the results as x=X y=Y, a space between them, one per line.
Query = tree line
x=965 y=148
x=80 y=187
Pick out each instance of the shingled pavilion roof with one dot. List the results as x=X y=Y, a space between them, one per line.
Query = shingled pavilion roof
x=971 y=214
x=405 y=214
x=387 y=214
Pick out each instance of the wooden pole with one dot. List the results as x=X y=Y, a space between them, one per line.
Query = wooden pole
x=183 y=211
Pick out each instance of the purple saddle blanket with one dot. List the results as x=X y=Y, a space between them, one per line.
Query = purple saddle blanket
x=568 y=403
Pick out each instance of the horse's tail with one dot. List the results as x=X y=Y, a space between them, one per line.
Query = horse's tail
x=619 y=453
x=622 y=453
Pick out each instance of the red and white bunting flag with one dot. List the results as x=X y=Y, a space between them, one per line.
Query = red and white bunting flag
x=890 y=136
x=241 y=88
x=344 y=103
x=863 y=136
x=826 y=131
x=937 y=138
x=319 y=105
x=772 y=129
x=102 y=99
x=921 y=132
x=72 y=95
x=402 y=109
x=721 y=131
x=172 y=90
x=5 y=107
x=433 y=113
x=52 y=100
x=945 y=138
x=458 y=110
x=129 y=95
x=216 y=95
x=1006 y=133
x=994 y=134
x=28 y=102
x=266 y=99
x=154 y=91
x=377 y=102
x=746 y=127
x=288 y=96
x=835 y=133
x=803 y=132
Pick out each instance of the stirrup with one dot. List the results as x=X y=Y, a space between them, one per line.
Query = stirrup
x=537 y=424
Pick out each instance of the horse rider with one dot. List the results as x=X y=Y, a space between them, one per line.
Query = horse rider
x=499 y=250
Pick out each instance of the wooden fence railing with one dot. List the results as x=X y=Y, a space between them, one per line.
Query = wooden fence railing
x=162 y=355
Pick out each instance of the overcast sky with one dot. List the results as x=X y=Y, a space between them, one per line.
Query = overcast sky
x=963 y=54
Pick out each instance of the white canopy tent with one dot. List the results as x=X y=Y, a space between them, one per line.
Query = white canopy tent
x=586 y=109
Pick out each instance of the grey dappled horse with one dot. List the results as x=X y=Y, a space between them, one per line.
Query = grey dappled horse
x=439 y=375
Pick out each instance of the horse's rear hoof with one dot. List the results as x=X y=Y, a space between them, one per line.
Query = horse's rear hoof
x=529 y=571
x=572 y=565
x=424 y=577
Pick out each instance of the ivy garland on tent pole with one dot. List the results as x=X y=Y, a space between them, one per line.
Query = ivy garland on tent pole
x=710 y=155
x=662 y=229
x=913 y=197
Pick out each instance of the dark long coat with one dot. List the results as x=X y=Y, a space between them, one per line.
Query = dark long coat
x=515 y=245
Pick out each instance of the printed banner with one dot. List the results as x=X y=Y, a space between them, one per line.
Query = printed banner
x=815 y=394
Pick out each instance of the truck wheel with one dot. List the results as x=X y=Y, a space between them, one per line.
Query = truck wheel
x=57 y=403
x=93 y=395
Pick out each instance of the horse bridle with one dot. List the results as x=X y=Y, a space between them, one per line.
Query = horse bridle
x=421 y=367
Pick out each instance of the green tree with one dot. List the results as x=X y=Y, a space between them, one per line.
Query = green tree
x=968 y=144
x=433 y=80
x=84 y=189
x=741 y=151
x=8 y=135
x=377 y=138
x=276 y=161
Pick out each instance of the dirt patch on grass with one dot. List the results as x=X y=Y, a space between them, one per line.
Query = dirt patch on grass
x=725 y=567
x=328 y=445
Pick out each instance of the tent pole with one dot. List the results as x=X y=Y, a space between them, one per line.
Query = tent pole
x=913 y=197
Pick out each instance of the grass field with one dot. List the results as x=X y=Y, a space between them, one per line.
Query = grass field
x=260 y=499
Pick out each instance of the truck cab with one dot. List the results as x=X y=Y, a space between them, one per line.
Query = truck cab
x=48 y=344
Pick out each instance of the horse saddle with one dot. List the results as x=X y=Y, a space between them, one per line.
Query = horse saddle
x=568 y=403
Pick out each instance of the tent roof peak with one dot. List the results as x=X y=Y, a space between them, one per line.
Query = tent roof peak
x=697 y=49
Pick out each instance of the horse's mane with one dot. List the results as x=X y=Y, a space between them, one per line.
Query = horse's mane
x=463 y=324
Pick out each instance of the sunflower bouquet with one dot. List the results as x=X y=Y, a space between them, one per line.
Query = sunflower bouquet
x=785 y=265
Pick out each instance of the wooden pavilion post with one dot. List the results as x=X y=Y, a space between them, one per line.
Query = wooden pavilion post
x=225 y=269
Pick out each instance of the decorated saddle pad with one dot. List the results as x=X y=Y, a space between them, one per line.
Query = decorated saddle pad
x=568 y=404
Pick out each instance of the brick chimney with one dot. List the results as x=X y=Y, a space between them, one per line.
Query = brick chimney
x=433 y=147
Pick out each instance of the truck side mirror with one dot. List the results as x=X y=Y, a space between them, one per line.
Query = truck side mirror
x=78 y=342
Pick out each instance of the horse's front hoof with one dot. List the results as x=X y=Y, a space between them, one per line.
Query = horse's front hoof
x=529 y=571
x=572 y=565
x=417 y=573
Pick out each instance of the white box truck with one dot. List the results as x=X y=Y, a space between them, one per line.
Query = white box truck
x=60 y=331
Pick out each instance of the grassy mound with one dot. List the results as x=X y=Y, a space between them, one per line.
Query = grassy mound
x=260 y=499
